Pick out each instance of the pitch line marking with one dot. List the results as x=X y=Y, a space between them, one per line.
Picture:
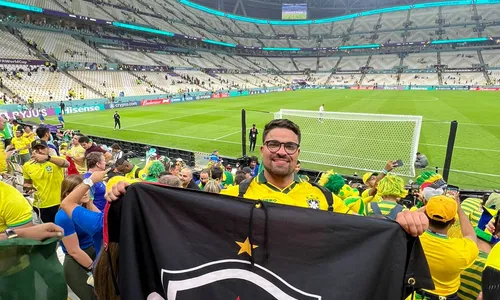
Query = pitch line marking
x=169 y=119
x=239 y=131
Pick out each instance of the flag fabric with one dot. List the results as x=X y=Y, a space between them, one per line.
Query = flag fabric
x=30 y=269
x=184 y=244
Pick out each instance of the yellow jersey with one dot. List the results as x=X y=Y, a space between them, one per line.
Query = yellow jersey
x=20 y=143
x=447 y=259
x=47 y=178
x=30 y=136
x=299 y=193
x=79 y=152
x=366 y=196
x=14 y=208
x=3 y=156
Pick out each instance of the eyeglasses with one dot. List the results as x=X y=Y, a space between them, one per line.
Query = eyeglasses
x=274 y=146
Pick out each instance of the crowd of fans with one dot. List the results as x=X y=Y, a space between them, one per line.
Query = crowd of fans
x=70 y=180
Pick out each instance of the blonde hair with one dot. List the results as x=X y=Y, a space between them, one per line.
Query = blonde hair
x=212 y=186
x=392 y=185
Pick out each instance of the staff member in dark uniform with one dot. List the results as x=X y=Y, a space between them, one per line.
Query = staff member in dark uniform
x=252 y=136
x=116 y=116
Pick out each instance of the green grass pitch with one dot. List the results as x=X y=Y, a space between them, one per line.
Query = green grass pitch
x=216 y=124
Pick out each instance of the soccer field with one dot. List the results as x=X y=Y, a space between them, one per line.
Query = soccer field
x=216 y=124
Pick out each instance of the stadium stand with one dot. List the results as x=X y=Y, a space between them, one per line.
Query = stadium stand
x=11 y=47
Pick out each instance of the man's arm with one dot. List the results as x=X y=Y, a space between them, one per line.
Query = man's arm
x=388 y=167
x=73 y=248
x=465 y=225
x=38 y=232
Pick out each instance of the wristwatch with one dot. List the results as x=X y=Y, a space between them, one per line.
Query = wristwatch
x=48 y=157
x=11 y=234
x=88 y=182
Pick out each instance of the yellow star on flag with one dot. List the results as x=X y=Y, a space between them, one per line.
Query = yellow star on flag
x=245 y=247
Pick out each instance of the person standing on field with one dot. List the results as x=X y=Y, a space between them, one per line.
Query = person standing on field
x=321 y=110
x=116 y=116
x=253 y=137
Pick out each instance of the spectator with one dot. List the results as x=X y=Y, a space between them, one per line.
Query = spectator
x=45 y=175
x=421 y=162
x=129 y=170
x=91 y=147
x=239 y=178
x=154 y=171
x=248 y=172
x=6 y=130
x=77 y=154
x=29 y=134
x=170 y=180
x=186 y=177
x=216 y=174
x=15 y=211
x=254 y=165
x=212 y=187
x=174 y=169
x=96 y=163
x=297 y=170
x=37 y=232
x=447 y=257
x=3 y=156
x=491 y=275
x=116 y=153
x=252 y=136
x=22 y=146
x=204 y=177
x=392 y=189
x=77 y=245
x=43 y=134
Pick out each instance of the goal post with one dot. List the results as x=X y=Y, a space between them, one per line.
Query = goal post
x=357 y=141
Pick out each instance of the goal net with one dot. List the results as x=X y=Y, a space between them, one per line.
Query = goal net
x=355 y=140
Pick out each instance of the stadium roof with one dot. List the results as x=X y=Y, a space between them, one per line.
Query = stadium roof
x=317 y=9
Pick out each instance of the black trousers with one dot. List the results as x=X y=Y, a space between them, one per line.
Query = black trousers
x=117 y=123
x=48 y=214
x=252 y=144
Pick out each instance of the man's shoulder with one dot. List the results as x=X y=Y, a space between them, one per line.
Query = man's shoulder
x=232 y=190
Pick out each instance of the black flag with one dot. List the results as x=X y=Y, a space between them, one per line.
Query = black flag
x=185 y=244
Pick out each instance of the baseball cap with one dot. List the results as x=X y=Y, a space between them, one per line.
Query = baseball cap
x=39 y=143
x=367 y=176
x=247 y=170
x=441 y=208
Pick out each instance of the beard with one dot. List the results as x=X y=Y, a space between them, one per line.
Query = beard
x=279 y=165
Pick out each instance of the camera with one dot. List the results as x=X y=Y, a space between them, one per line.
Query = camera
x=243 y=161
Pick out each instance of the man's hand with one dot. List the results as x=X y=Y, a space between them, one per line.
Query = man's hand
x=116 y=191
x=389 y=165
x=39 y=158
x=413 y=222
x=99 y=175
x=40 y=232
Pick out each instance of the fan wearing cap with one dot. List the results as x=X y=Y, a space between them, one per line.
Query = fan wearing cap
x=22 y=146
x=45 y=174
x=447 y=257
x=371 y=180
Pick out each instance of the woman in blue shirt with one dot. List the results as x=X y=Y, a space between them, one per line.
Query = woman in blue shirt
x=96 y=162
x=77 y=244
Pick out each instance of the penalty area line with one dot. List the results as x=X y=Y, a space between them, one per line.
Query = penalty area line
x=221 y=137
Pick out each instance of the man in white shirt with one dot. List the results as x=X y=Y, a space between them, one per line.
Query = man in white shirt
x=321 y=110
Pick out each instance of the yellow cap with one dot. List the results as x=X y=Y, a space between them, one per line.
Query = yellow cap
x=494 y=258
x=441 y=208
x=367 y=176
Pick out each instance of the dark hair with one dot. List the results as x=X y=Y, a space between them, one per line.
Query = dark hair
x=207 y=171
x=438 y=224
x=281 y=123
x=42 y=131
x=216 y=173
x=239 y=178
x=83 y=139
x=93 y=158
x=120 y=161
x=418 y=153
x=115 y=146
x=254 y=158
x=239 y=172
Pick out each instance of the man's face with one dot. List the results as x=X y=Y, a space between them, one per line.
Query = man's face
x=185 y=177
x=41 y=150
x=19 y=134
x=27 y=129
x=102 y=164
x=74 y=141
x=86 y=145
x=203 y=178
x=125 y=168
x=280 y=163
x=371 y=181
x=248 y=175
x=253 y=163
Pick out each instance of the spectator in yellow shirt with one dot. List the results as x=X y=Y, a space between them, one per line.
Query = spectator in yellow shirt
x=3 y=156
x=447 y=257
x=22 y=146
x=29 y=134
x=15 y=210
x=77 y=154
